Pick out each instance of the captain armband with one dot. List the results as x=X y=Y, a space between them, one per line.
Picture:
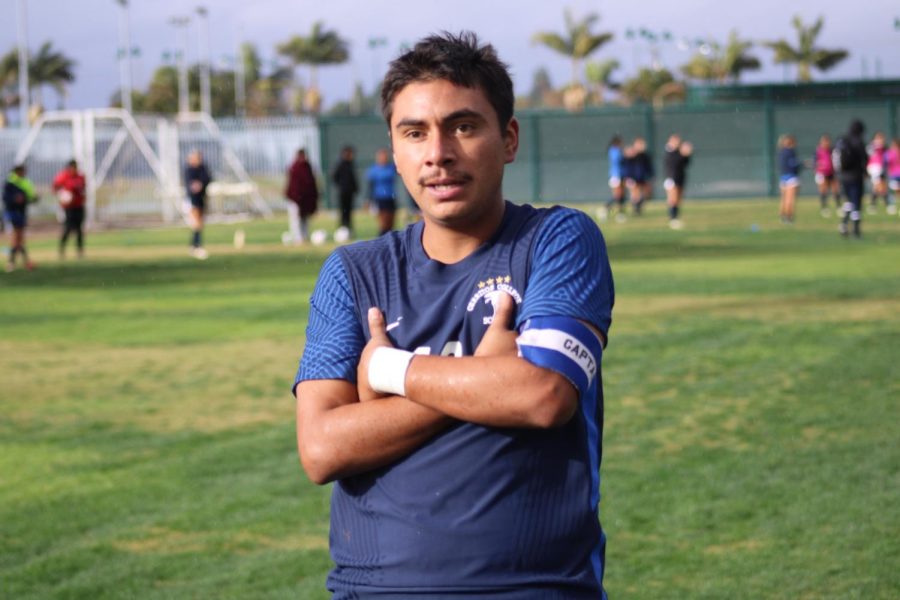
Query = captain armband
x=565 y=345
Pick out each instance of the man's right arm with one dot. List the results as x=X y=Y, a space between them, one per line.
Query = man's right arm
x=338 y=434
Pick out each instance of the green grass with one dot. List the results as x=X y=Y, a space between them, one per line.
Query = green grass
x=751 y=449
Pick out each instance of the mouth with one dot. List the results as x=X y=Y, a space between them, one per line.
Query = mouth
x=445 y=188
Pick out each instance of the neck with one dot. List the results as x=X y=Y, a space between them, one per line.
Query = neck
x=449 y=244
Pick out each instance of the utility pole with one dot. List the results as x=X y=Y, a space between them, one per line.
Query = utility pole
x=22 y=31
x=205 y=93
x=124 y=56
x=180 y=24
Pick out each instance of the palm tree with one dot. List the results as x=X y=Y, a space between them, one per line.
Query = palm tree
x=722 y=64
x=320 y=47
x=599 y=74
x=578 y=42
x=647 y=84
x=806 y=55
x=53 y=68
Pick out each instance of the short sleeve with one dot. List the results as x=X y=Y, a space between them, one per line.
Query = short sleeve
x=334 y=336
x=570 y=273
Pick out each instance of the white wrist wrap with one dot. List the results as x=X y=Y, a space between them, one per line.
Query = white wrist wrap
x=387 y=370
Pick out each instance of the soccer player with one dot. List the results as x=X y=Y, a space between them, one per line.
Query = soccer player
x=616 y=182
x=676 y=160
x=381 y=177
x=892 y=164
x=197 y=179
x=303 y=197
x=344 y=177
x=18 y=193
x=789 y=167
x=875 y=168
x=825 y=179
x=451 y=381
x=640 y=177
x=851 y=160
x=69 y=187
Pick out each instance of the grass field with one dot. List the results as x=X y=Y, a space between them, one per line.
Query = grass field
x=752 y=445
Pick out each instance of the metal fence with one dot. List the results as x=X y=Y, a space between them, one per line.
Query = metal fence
x=562 y=156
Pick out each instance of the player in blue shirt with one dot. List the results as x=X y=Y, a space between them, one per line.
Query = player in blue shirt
x=381 y=177
x=451 y=381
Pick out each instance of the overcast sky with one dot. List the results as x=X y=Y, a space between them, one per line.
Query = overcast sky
x=87 y=30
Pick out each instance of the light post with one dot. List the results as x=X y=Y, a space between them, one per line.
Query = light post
x=205 y=98
x=181 y=24
x=374 y=44
x=124 y=53
x=22 y=35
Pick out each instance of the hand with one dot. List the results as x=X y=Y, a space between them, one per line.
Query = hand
x=379 y=338
x=500 y=338
x=196 y=186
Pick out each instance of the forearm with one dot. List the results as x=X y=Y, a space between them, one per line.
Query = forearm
x=498 y=391
x=361 y=436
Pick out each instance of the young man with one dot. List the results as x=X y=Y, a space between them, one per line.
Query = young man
x=381 y=177
x=344 y=177
x=450 y=383
x=69 y=185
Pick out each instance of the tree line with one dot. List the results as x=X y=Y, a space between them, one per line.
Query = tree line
x=277 y=90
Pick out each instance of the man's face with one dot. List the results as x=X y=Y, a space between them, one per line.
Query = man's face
x=450 y=151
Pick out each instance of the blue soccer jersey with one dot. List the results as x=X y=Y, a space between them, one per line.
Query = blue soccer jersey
x=475 y=510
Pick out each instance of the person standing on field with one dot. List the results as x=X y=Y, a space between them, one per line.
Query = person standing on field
x=69 y=185
x=18 y=193
x=676 y=160
x=381 y=177
x=789 y=181
x=344 y=177
x=303 y=195
x=197 y=180
x=451 y=383
x=850 y=160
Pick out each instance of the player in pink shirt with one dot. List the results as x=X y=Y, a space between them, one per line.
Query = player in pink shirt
x=892 y=162
x=825 y=178
x=876 y=170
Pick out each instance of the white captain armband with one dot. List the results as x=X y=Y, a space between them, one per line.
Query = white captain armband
x=565 y=345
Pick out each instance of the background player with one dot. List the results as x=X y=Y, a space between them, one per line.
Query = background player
x=789 y=168
x=616 y=182
x=18 y=193
x=851 y=159
x=875 y=167
x=892 y=164
x=466 y=454
x=676 y=160
x=69 y=187
x=381 y=177
x=640 y=174
x=825 y=179
x=197 y=179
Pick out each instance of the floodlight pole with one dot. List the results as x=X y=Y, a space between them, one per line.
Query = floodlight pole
x=205 y=94
x=22 y=35
x=124 y=56
x=240 y=89
x=181 y=23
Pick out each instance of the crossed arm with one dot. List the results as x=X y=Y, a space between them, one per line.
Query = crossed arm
x=344 y=429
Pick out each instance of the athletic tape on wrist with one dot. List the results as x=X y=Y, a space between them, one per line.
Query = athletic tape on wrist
x=387 y=370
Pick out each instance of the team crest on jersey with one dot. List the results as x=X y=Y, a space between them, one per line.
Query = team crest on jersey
x=489 y=293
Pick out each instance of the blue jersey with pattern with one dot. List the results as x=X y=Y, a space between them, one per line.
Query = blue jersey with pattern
x=474 y=510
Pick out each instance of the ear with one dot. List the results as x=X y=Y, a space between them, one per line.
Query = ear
x=511 y=140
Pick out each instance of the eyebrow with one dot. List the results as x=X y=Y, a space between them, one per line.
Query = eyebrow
x=463 y=113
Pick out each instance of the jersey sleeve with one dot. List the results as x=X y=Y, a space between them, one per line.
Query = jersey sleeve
x=334 y=335
x=570 y=273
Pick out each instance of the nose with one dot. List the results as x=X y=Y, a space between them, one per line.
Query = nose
x=440 y=151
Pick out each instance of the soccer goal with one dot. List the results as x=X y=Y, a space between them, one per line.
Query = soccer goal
x=134 y=165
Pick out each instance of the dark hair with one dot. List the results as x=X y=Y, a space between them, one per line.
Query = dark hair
x=857 y=127
x=459 y=59
x=72 y=163
x=615 y=141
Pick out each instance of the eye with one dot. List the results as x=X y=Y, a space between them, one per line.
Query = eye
x=465 y=128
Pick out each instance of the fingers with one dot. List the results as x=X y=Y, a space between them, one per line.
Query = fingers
x=503 y=314
x=377 y=328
